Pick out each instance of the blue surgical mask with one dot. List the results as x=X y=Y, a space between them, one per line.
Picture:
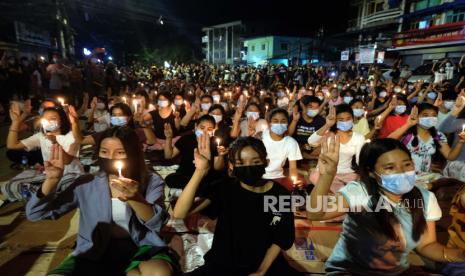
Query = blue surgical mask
x=312 y=112
x=348 y=99
x=398 y=183
x=279 y=129
x=358 y=112
x=178 y=102
x=449 y=105
x=216 y=98
x=198 y=133
x=252 y=115
x=280 y=94
x=428 y=122
x=118 y=120
x=400 y=109
x=432 y=95
x=163 y=103
x=344 y=126
x=206 y=106
x=383 y=94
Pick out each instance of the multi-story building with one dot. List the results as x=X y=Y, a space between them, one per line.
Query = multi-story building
x=431 y=30
x=376 y=23
x=277 y=49
x=223 y=43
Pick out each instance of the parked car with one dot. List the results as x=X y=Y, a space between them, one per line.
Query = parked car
x=422 y=72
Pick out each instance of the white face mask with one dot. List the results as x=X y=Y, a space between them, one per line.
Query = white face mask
x=100 y=106
x=163 y=103
x=216 y=98
x=253 y=115
x=50 y=126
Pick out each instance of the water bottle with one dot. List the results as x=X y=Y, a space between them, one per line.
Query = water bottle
x=24 y=162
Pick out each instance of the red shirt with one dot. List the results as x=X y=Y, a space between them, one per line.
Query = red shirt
x=391 y=123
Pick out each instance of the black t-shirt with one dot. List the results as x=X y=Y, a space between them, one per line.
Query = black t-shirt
x=159 y=124
x=186 y=145
x=244 y=231
x=304 y=129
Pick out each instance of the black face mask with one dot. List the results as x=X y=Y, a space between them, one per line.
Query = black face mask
x=108 y=166
x=250 y=175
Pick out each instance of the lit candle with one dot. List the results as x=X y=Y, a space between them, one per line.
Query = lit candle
x=379 y=118
x=366 y=112
x=173 y=108
x=367 y=141
x=151 y=107
x=134 y=103
x=133 y=95
x=261 y=93
x=403 y=91
x=266 y=108
x=218 y=141
x=190 y=92
x=294 y=180
x=463 y=128
x=119 y=167
x=62 y=101
x=124 y=100
x=246 y=94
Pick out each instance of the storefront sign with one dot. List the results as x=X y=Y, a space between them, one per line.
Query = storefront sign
x=436 y=34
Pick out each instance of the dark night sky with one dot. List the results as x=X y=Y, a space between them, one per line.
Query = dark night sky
x=298 y=16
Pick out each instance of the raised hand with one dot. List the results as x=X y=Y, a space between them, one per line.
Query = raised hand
x=73 y=116
x=329 y=156
x=168 y=131
x=413 y=117
x=93 y=104
x=295 y=113
x=222 y=151
x=128 y=188
x=202 y=154
x=438 y=102
x=15 y=112
x=54 y=167
x=331 y=118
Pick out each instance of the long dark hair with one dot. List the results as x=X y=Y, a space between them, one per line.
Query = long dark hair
x=368 y=157
x=135 y=168
x=237 y=146
x=412 y=132
x=65 y=124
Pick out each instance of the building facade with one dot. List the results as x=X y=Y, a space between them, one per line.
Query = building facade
x=223 y=43
x=277 y=50
x=431 y=30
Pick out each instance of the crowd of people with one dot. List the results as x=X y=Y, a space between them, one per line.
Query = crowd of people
x=239 y=134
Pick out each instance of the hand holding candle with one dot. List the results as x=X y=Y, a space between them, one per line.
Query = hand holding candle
x=119 y=167
x=218 y=141
x=62 y=101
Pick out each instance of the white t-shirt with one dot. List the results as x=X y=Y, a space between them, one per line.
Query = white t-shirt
x=278 y=152
x=67 y=142
x=449 y=72
x=346 y=151
x=121 y=213
x=439 y=77
x=260 y=126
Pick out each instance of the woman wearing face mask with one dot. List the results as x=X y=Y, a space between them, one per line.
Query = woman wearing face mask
x=378 y=99
x=164 y=114
x=439 y=74
x=121 y=115
x=205 y=126
x=347 y=97
x=280 y=147
x=249 y=126
x=361 y=125
x=423 y=140
x=247 y=240
x=98 y=117
x=387 y=215
x=56 y=128
x=124 y=208
x=340 y=122
x=394 y=116
x=453 y=123
x=223 y=128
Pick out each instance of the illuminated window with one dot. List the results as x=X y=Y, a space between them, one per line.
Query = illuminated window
x=455 y=15
x=423 y=24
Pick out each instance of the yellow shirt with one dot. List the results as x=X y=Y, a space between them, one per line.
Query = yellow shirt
x=361 y=126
